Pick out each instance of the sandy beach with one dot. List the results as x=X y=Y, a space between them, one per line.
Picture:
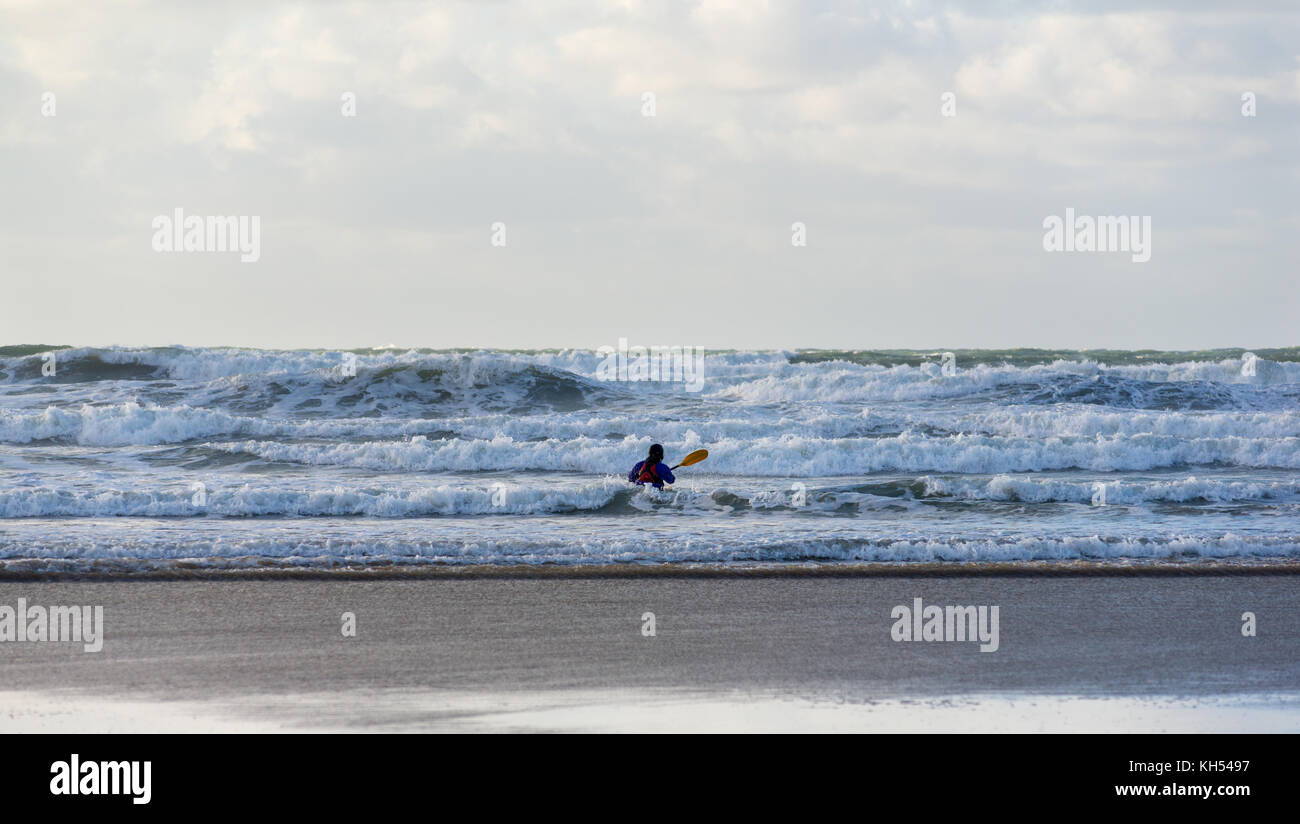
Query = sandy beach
x=1076 y=653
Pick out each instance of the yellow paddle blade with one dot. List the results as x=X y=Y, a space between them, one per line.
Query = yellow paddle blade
x=695 y=457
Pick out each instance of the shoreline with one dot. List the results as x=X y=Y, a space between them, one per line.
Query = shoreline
x=12 y=571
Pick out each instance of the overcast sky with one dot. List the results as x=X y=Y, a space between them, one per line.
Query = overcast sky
x=922 y=230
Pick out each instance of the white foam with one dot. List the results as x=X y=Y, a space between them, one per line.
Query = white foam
x=645 y=710
x=176 y=499
x=794 y=456
x=1122 y=491
x=223 y=543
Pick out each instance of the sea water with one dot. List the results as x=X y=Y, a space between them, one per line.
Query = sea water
x=212 y=458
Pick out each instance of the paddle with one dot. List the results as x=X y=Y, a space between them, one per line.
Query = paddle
x=693 y=458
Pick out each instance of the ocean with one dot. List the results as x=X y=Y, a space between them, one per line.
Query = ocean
x=126 y=459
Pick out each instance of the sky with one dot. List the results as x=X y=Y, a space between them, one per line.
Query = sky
x=921 y=146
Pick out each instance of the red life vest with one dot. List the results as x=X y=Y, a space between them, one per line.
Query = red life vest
x=648 y=475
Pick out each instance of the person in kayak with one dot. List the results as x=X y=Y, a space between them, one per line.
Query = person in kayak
x=652 y=470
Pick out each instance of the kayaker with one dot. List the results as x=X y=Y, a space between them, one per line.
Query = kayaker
x=652 y=470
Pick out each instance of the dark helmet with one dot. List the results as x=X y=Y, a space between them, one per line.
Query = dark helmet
x=656 y=453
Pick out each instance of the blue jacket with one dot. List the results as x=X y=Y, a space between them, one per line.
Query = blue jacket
x=661 y=469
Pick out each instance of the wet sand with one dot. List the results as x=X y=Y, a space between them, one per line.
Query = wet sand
x=553 y=652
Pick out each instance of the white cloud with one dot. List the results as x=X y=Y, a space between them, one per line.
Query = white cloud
x=766 y=113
